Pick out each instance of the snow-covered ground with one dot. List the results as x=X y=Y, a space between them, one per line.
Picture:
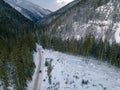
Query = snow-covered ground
x=68 y=72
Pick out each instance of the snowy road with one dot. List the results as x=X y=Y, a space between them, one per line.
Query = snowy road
x=35 y=84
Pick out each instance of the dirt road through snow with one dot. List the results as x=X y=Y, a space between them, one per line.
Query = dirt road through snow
x=38 y=78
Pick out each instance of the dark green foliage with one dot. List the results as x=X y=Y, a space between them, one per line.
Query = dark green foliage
x=16 y=62
x=46 y=63
x=101 y=2
x=100 y=50
x=49 y=69
x=45 y=40
x=83 y=1
x=88 y=46
x=113 y=53
x=12 y=23
x=16 y=46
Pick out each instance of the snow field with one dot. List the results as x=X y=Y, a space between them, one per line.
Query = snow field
x=72 y=73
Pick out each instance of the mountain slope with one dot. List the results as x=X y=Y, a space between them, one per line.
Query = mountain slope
x=17 y=42
x=48 y=19
x=28 y=9
x=12 y=22
x=100 y=18
x=87 y=28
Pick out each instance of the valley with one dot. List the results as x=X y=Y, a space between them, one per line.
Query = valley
x=74 y=48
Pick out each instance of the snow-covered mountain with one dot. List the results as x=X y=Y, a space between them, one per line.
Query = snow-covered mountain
x=49 y=18
x=100 y=18
x=28 y=9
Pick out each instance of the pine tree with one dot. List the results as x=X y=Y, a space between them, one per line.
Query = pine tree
x=100 y=50
x=87 y=45
x=112 y=55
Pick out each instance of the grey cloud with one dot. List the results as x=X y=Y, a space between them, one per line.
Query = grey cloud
x=48 y=4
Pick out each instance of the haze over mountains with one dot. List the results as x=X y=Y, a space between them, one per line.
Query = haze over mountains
x=28 y=9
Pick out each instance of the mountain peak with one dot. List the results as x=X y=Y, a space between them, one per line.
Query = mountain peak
x=28 y=9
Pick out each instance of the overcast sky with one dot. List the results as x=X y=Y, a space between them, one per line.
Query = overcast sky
x=52 y=5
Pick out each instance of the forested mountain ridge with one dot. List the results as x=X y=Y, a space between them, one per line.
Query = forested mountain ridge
x=17 y=42
x=12 y=22
x=49 y=18
x=28 y=9
x=87 y=28
x=97 y=17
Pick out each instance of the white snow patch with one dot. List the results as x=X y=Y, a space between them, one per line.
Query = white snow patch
x=117 y=33
x=77 y=37
x=68 y=73
x=106 y=9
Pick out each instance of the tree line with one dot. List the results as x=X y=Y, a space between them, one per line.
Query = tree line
x=88 y=46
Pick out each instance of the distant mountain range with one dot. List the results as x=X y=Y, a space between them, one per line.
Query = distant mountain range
x=28 y=9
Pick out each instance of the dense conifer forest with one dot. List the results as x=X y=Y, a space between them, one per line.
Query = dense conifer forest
x=17 y=43
x=88 y=46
